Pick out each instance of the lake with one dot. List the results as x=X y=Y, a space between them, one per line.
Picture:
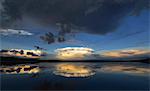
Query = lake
x=76 y=76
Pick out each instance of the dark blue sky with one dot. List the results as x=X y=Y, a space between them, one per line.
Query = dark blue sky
x=97 y=24
x=133 y=32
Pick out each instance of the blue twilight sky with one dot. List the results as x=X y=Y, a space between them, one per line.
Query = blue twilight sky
x=132 y=31
x=124 y=37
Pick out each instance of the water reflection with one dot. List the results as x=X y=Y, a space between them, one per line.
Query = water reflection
x=72 y=70
x=125 y=69
x=86 y=69
x=76 y=69
x=78 y=75
x=20 y=69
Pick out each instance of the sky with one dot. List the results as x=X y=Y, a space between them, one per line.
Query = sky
x=102 y=25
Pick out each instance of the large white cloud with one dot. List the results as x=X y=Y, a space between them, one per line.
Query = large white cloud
x=6 y=32
x=73 y=52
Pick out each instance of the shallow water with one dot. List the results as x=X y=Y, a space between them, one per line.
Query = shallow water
x=76 y=76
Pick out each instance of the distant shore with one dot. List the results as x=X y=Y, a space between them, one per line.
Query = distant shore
x=15 y=60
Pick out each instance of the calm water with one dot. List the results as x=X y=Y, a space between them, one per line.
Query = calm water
x=75 y=76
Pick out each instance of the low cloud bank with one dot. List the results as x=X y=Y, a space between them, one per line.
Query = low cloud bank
x=126 y=53
x=6 y=32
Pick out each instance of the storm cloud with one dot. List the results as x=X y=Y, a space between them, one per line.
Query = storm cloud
x=91 y=16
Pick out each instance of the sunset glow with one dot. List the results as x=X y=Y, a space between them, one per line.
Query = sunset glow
x=125 y=53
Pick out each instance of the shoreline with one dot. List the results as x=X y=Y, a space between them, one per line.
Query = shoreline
x=15 y=60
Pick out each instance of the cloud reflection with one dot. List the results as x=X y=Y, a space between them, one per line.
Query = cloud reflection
x=71 y=70
x=20 y=69
x=78 y=70
x=128 y=69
